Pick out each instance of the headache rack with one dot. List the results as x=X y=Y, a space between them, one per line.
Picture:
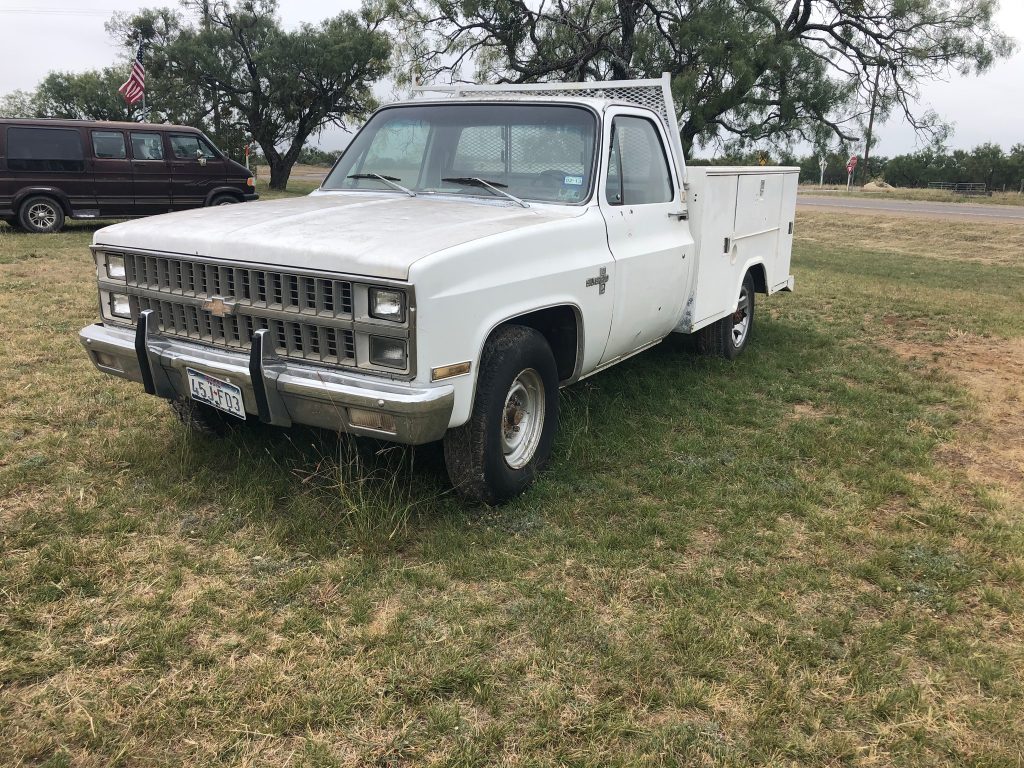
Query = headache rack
x=654 y=94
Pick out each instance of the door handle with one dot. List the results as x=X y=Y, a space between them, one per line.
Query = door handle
x=679 y=215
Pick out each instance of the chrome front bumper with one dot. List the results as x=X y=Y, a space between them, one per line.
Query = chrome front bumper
x=276 y=391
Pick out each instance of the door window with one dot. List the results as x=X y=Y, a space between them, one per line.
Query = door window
x=147 y=146
x=191 y=148
x=53 y=150
x=108 y=145
x=638 y=169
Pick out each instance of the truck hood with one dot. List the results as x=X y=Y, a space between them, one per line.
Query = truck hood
x=354 y=233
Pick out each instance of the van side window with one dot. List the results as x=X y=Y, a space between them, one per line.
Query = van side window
x=53 y=150
x=147 y=146
x=108 y=145
x=638 y=169
x=190 y=148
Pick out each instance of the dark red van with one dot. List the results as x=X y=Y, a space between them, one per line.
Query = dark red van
x=51 y=170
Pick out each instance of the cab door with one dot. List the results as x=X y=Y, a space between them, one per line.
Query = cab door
x=196 y=169
x=151 y=173
x=648 y=235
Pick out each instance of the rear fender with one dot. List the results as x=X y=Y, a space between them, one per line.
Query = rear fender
x=22 y=194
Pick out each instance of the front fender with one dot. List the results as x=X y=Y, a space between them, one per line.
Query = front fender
x=465 y=293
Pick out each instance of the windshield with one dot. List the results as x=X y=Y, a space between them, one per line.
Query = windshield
x=534 y=152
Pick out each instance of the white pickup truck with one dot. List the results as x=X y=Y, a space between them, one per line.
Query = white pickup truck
x=467 y=255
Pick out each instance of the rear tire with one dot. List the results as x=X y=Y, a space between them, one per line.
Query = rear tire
x=729 y=336
x=41 y=214
x=497 y=454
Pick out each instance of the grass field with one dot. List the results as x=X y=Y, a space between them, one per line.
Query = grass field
x=813 y=556
x=923 y=195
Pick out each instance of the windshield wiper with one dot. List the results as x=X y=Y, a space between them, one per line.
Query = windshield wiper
x=389 y=180
x=474 y=181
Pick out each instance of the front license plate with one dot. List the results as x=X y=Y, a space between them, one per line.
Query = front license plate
x=216 y=392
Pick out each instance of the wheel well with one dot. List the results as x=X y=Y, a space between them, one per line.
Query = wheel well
x=560 y=326
x=48 y=195
x=760 y=278
x=224 y=193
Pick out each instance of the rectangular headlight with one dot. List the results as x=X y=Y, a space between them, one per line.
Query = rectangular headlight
x=119 y=305
x=388 y=352
x=115 y=266
x=387 y=304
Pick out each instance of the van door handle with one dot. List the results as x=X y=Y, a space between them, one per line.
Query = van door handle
x=679 y=215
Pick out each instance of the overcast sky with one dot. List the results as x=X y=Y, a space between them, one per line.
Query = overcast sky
x=42 y=35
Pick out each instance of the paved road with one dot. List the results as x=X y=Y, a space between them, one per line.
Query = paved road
x=886 y=206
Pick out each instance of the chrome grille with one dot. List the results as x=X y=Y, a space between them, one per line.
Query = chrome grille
x=309 y=318
x=291 y=338
x=255 y=287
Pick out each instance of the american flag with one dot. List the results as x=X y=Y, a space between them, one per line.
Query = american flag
x=134 y=88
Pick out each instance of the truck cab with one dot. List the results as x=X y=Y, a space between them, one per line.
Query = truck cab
x=466 y=257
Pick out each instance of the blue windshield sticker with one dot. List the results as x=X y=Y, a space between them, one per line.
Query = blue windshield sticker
x=576 y=181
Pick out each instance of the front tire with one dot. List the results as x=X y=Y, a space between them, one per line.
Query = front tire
x=224 y=200
x=729 y=336
x=497 y=454
x=41 y=214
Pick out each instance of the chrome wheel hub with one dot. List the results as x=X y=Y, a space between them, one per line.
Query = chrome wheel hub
x=741 y=319
x=42 y=216
x=522 y=420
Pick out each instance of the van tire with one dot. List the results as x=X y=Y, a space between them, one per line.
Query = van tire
x=224 y=200
x=488 y=459
x=41 y=214
x=729 y=336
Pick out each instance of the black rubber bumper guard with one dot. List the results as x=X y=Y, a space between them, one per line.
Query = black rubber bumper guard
x=263 y=369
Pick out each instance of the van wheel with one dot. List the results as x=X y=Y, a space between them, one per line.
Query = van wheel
x=497 y=454
x=41 y=214
x=224 y=200
x=729 y=336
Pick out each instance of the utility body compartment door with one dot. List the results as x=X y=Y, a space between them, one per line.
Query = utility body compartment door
x=649 y=238
x=742 y=219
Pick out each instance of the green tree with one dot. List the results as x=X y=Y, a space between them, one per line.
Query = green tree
x=752 y=70
x=234 y=64
x=17 y=104
x=90 y=95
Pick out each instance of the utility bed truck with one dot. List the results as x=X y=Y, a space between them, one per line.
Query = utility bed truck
x=468 y=254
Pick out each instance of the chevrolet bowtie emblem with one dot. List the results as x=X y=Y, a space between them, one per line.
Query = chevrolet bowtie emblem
x=218 y=307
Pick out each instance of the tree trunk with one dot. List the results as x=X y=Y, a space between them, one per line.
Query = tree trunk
x=280 y=171
x=865 y=175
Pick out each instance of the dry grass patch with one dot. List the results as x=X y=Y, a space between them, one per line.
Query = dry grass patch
x=923 y=195
x=990 y=447
x=995 y=244
x=760 y=563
